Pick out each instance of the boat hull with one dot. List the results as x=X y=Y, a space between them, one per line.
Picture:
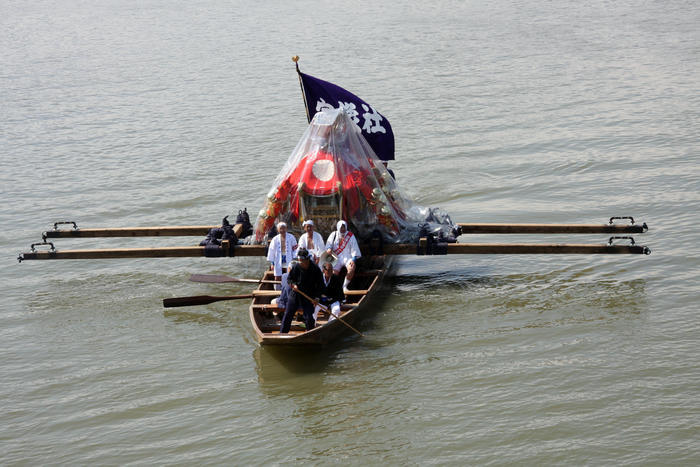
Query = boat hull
x=265 y=317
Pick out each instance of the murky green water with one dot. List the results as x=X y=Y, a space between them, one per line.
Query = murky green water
x=171 y=113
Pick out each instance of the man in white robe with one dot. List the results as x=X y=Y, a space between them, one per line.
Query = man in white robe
x=312 y=241
x=281 y=250
x=343 y=244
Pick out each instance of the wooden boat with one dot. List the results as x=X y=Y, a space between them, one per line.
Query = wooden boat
x=266 y=317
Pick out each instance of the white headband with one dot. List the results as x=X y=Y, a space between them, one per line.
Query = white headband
x=281 y=224
x=309 y=222
x=341 y=223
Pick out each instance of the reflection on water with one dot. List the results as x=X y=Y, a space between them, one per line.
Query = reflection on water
x=284 y=371
x=304 y=360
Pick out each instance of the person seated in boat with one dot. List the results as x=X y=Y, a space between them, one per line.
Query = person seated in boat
x=343 y=244
x=281 y=301
x=281 y=250
x=305 y=277
x=312 y=241
x=331 y=292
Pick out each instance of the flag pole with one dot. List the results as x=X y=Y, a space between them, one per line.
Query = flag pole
x=295 y=59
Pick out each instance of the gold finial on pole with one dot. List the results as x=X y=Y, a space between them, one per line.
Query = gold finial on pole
x=295 y=59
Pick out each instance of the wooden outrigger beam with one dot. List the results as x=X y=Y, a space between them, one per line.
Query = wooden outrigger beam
x=162 y=252
x=464 y=228
x=424 y=247
x=174 y=231
x=483 y=228
x=165 y=231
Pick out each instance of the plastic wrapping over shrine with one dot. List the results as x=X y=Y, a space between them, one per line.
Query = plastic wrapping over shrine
x=333 y=174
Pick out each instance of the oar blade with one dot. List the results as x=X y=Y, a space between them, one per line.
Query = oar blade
x=199 y=300
x=187 y=301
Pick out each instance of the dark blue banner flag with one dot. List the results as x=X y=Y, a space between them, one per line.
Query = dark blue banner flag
x=319 y=95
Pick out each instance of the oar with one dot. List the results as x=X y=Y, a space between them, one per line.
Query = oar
x=325 y=308
x=199 y=300
x=216 y=279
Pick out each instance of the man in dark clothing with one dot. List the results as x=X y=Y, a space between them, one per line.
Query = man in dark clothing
x=331 y=291
x=307 y=277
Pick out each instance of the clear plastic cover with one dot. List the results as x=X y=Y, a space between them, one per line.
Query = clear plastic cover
x=334 y=174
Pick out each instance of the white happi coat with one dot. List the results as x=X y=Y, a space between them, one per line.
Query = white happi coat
x=274 y=252
x=344 y=249
x=319 y=244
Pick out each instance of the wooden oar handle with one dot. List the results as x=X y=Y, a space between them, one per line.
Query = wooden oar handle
x=217 y=278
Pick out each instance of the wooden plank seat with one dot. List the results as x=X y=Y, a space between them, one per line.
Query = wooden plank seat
x=276 y=293
x=297 y=325
x=298 y=319
x=266 y=293
x=291 y=333
x=356 y=292
x=267 y=307
x=271 y=307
